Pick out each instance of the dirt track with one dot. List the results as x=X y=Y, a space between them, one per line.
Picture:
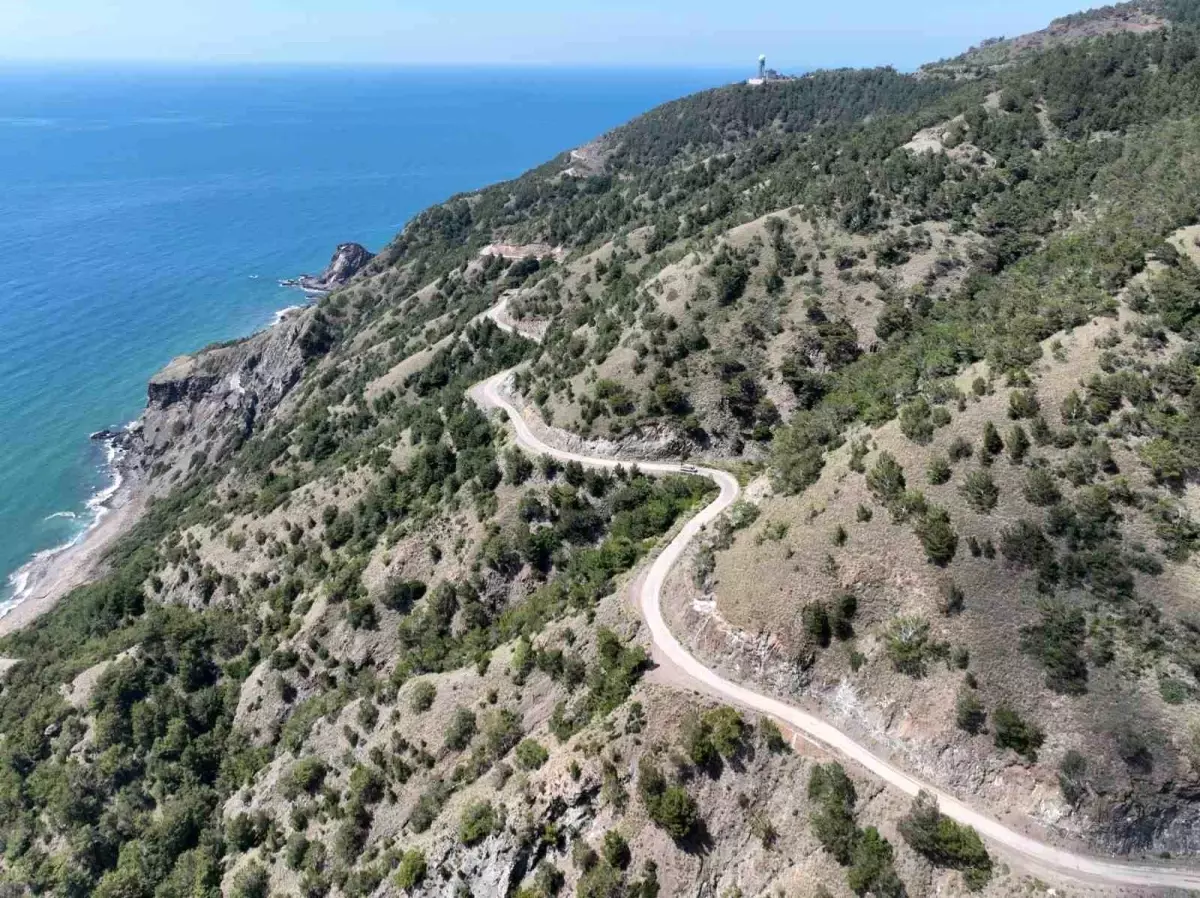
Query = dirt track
x=1031 y=854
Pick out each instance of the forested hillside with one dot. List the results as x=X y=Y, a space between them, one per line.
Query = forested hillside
x=942 y=325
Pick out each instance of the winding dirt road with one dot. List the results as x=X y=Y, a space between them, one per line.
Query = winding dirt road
x=1035 y=855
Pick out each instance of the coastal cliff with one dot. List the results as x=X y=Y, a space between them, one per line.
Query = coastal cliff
x=202 y=406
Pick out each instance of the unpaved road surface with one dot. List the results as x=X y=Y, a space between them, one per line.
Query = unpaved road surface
x=1037 y=856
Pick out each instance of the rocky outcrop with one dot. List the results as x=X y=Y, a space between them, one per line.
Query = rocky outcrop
x=182 y=380
x=1166 y=821
x=348 y=260
x=201 y=406
x=497 y=865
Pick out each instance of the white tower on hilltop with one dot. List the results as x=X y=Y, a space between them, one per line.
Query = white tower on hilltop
x=762 y=67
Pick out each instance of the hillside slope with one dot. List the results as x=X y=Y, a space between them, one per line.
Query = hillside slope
x=943 y=329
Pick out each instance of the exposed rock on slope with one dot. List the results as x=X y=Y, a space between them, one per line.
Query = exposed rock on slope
x=1122 y=18
x=204 y=405
x=348 y=260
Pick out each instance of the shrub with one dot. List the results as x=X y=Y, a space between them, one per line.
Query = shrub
x=517 y=467
x=501 y=732
x=959 y=449
x=296 y=850
x=742 y=514
x=366 y=785
x=907 y=639
x=992 y=444
x=429 y=805
x=1173 y=691
x=772 y=736
x=602 y=880
x=697 y=741
x=422 y=696
x=911 y=503
x=479 y=820
x=1018 y=444
x=842 y=616
x=980 y=491
x=1072 y=773
x=1072 y=409
x=1025 y=544
x=461 y=729
x=938 y=470
x=1040 y=488
x=1134 y=749
x=730 y=274
x=1040 y=430
x=351 y=836
x=937 y=536
x=946 y=843
x=728 y=730
x=915 y=421
x=763 y=829
x=969 y=713
x=361 y=614
x=412 y=869
x=1164 y=459
x=615 y=849
x=583 y=856
x=668 y=806
x=1010 y=731
x=1022 y=404
x=306 y=775
x=401 y=595
x=950 y=597
x=548 y=880
x=815 y=619
x=252 y=882
x=886 y=479
x=871 y=867
x=720 y=731
x=245 y=831
x=531 y=754
x=620 y=666
x=1057 y=641
x=832 y=818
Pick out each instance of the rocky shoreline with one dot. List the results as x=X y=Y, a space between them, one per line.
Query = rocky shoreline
x=199 y=405
x=348 y=260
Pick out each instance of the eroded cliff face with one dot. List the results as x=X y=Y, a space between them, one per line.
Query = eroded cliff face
x=202 y=406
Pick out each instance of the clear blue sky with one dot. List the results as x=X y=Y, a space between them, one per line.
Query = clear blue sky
x=694 y=33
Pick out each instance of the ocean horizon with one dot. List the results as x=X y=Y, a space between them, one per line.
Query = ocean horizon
x=153 y=210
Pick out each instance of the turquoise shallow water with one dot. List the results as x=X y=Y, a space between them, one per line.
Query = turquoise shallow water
x=145 y=213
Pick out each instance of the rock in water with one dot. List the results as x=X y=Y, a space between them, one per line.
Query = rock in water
x=348 y=260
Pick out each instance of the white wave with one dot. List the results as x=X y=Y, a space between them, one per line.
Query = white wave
x=23 y=580
x=27 y=122
x=283 y=313
x=70 y=515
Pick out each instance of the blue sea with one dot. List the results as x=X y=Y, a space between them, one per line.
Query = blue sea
x=147 y=212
